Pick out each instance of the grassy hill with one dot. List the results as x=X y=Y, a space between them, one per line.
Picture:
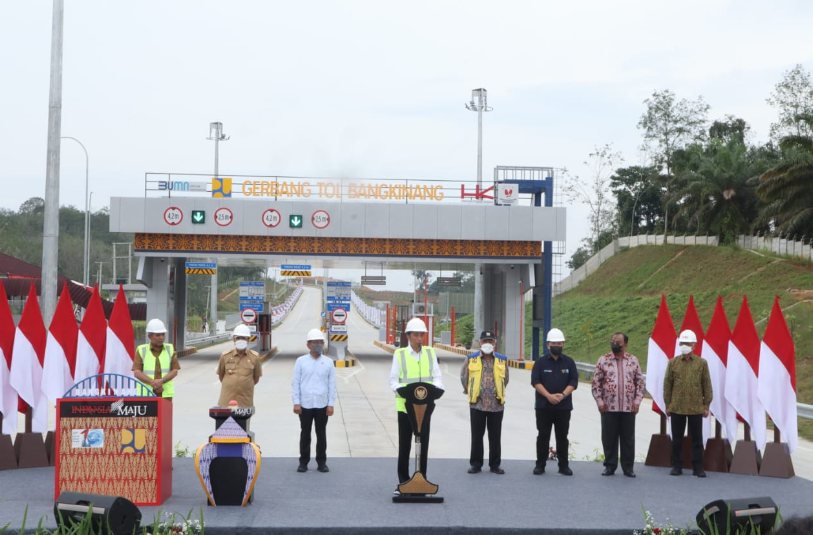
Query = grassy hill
x=624 y=295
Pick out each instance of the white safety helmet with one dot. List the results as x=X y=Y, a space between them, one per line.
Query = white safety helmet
x=555 y=335
x=316 y=334
x=156 y=326
x=415 y=325
x=687 y=337
x=241 y=330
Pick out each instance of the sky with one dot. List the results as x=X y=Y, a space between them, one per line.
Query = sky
x=371 y=88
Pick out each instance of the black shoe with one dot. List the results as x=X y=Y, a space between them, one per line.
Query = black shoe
x=497 y=470
x=475 y=470
x=303 y=467
x=608 y=472
x=323 y=468
x=539 y=470
x=629 y=473
x=565 y=471
x=676 y=471
x=699 y=472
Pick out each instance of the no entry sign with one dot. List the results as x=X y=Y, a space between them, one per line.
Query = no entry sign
x=248 y=315
x=339 y=315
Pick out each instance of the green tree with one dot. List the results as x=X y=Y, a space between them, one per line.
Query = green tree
x=713 y=189
x=786 y=187
x=669 y=124
x=793 y=98
x=639 y=192
x=594 y=192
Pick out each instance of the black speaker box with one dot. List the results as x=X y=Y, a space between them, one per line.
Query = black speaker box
x=108 y=514
x=738 y=513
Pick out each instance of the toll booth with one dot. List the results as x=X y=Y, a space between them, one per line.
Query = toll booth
x=264 y=323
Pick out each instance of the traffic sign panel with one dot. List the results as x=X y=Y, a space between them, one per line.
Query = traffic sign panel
x=335 y=305
x=173 y=216
x=248 y=315
x=338 y=328
x=223 y=217
x=256 y=306
x=339 y=315
x=271 y=218
x=198 y=217
x=295 y=221
x=320 y=219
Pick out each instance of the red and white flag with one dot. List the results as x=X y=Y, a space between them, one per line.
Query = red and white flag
x=777 y=375
x=715 y=351
x=120 y=338
x=742 y=373
x=691 y=321
x=8 y=396
x=60 y=350
x=661 y=349
x=26 y=364
x=92 y=335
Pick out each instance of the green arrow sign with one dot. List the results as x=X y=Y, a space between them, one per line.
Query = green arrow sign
x=295 y=221
x=198 y=217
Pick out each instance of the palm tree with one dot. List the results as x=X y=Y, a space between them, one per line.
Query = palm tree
x=713 y=189
x=788 y=187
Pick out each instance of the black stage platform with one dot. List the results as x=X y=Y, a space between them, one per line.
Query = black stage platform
x=356 y=497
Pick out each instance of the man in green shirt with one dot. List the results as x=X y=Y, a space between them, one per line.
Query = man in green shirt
x=687 y=395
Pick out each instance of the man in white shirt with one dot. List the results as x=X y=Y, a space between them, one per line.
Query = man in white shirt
x=313 y=391
x=421 y=364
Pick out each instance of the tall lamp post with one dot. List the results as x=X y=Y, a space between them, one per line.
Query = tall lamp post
x=216 y=135
x=479 y=104
x=86 y=253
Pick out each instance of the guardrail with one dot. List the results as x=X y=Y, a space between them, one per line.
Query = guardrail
x=802 y=410
x=204 y=340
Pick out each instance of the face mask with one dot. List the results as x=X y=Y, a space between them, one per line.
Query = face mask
x=616 y=348
x=241 y=345
x=318 y=348
x=487 y=348
x=685 y=350
x=556 y=350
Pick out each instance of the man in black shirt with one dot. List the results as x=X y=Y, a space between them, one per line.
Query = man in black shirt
x=554 y=377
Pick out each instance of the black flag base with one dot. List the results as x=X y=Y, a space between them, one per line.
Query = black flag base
x=417 y=490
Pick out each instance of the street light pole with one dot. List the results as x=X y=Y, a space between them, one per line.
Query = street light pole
x=480 y=106
x=86 y=253
x=216 y=135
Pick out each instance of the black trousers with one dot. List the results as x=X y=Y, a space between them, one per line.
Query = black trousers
x=306 y=419
x=695 y=432
x=560 y=421
x=405 y=439
x=480 y=421
x=618 y=427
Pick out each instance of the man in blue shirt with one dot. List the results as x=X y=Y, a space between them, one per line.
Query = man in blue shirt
x=313 y=391
x=554 y=377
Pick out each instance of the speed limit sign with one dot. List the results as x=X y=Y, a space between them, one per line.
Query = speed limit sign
x=248 y=315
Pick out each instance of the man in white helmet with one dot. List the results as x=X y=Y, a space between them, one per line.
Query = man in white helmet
x=158 y=359
x=421 y=365
x=313 y=391
x=554 y=377
x=687 y=395
x=239 y=370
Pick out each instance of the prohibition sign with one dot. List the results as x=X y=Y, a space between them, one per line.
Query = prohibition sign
x=173 y=216
x=320 y=219
x=248 y=315
x=339 y=315
x=271 y=218
x=223 y=217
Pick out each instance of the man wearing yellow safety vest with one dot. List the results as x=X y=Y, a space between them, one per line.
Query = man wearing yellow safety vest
x=413 y=364
x=158 y=359
x=484 y=377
